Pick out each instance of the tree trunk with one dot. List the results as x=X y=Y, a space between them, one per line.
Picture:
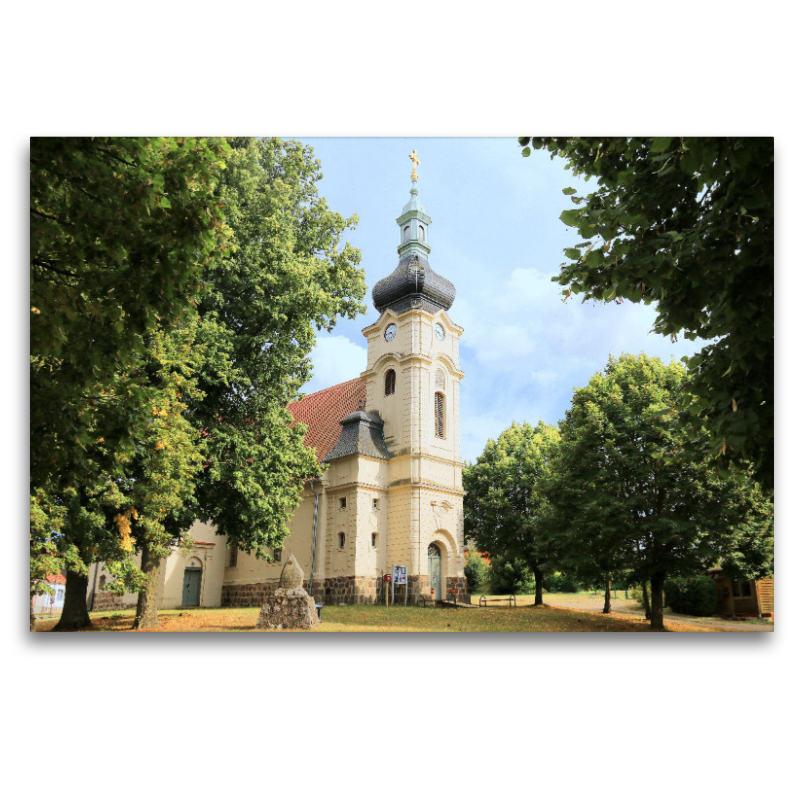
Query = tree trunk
x=657 y=591
x=607 y=601
x=74 y=615
x=33 y=616
x=646 y=601
x=537 y=573
x=147 y=604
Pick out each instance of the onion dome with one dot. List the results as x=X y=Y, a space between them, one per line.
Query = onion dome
x=413 y=284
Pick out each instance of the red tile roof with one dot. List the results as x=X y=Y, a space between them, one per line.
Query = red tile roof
x=323 y=411
x=55 y=579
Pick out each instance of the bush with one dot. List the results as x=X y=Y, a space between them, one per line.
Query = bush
x=476 y=571
x=561 y=582
x=696 y=596
x=511 y=577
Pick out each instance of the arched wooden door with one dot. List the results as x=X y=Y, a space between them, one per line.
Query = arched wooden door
x=191 y=583
x=435 y=570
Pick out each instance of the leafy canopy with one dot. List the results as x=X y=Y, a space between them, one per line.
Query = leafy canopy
x=121 y=232
x=688 y=224
x=621 y=510
x=287 y=276
x=503 y=506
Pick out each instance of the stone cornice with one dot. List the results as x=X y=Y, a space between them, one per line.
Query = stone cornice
x=377 y=326
x=450 y=462
x=410 y=360
x=406 y=483
x=342 y=487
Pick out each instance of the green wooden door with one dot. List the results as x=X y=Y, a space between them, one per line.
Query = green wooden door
x=191 y=586
x=435 y=570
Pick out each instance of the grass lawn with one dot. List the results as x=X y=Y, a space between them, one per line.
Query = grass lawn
x=378 y=619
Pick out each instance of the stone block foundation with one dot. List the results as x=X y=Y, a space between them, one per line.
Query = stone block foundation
x=350 y=590
x=108 y=601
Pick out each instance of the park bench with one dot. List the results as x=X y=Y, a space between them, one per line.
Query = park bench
x=511 y=600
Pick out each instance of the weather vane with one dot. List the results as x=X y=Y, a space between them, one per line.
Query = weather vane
x=415 y=159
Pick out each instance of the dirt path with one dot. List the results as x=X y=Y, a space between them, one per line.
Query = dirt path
x=631 y=607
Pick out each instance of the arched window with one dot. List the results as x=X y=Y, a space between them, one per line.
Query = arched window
x=438 y=413
x=102 y=582
x=389 y=383
x=421 y=233
x=406 y=233
x=341 y=541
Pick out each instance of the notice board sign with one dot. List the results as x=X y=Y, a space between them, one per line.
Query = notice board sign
x=399 y=575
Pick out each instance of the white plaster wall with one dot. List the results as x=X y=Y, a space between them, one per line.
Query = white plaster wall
x=94 y=581
x=41 y=602
x=209 y=549
x=299 y=543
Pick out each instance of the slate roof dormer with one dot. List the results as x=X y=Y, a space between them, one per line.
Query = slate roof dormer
x=362 y=434
x=321 y=413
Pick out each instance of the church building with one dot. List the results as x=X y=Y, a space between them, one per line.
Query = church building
x=391 y=493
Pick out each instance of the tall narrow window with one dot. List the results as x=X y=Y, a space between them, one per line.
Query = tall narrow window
x=438 y=412
x=421 y=233
x=233 y=556
x=389 y=382
x=341 y=541
x=407 y=233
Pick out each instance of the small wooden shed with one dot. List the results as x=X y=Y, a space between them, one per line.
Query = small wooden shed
x=744 y=598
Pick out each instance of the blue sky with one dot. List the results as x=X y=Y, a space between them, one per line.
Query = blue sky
x=496 y=234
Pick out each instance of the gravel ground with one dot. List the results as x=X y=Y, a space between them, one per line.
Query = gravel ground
x=589 y=602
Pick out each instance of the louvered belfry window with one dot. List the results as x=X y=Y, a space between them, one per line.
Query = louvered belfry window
x=438 y=412
x=389 y=384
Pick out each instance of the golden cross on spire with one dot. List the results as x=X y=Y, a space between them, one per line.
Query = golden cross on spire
x=415 y=160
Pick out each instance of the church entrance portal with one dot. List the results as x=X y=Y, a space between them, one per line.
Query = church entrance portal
x=191 y=584
x=435 y=570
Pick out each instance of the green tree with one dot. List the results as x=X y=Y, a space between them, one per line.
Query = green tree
x=503 y=506
x=287 y=276
x=511 y=576
x=476 y=570
x=131 y=508
x=687 y=223
x=122 y=231
x=622 y=509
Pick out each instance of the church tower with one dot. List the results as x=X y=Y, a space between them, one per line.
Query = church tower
x=413 y=381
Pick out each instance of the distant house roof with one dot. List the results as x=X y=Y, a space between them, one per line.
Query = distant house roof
x=323 y=411
x=55 y=579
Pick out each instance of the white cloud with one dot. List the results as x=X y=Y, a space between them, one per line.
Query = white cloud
x=336 y=359
x=524 y=350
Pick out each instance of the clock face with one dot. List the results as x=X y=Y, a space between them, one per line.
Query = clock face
x=390 y=332
x=439 y=331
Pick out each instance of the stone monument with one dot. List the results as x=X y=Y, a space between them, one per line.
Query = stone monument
x=289 y=607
